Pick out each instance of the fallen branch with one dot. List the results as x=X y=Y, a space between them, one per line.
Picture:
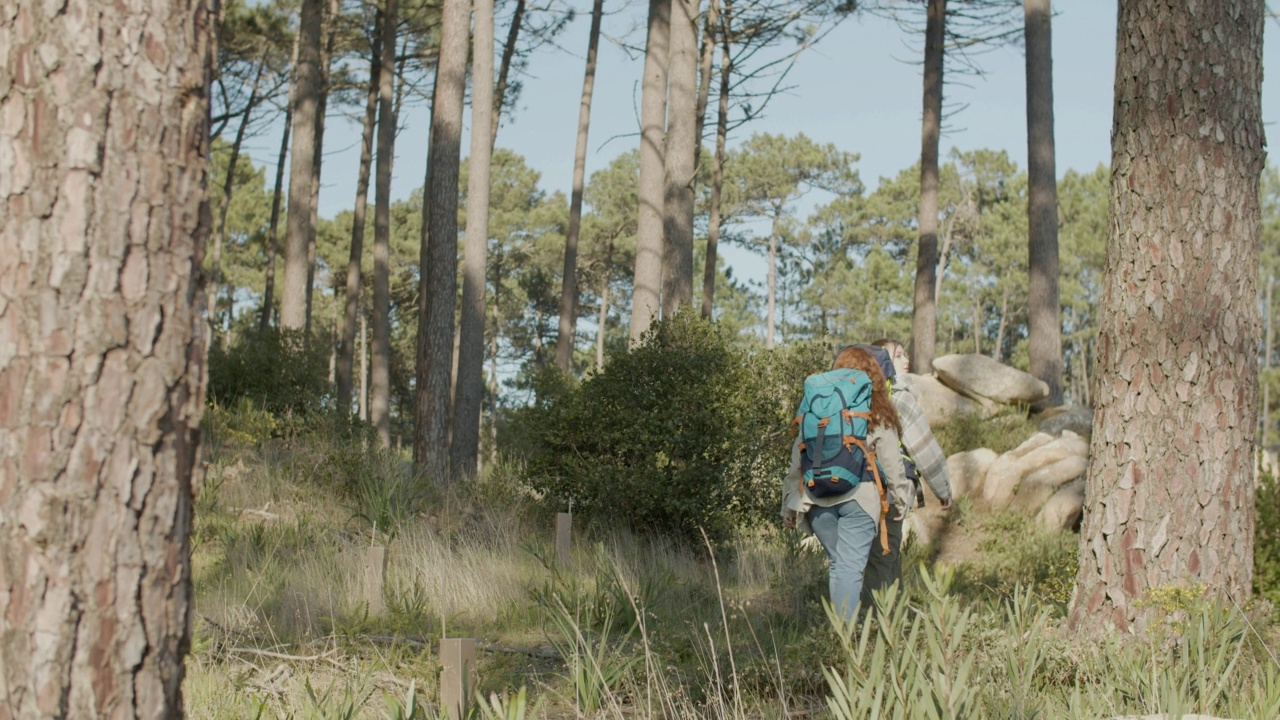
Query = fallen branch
x=282 y=656
x=425 y=644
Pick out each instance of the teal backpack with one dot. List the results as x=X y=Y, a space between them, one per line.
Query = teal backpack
x=832 y=424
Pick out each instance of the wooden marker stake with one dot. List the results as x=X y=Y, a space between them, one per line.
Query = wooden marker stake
x=375 y=577
x=564 y=527
x=457 y=676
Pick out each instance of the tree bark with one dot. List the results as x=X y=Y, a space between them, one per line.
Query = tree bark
x=103 y=216
x=717 y=167
x=308 y=87
x=706 y=63
x=469 y=394
x=1268 y=343
x=1045 y=323
x=1170 y=496
x=569 y=287
x=273 y=238
x=380 y=355
x=351 y=301
x=326 y=61
x=363 y=400
x=439 y=255
x=681 y=153
x=653 y=122
x=924 y=317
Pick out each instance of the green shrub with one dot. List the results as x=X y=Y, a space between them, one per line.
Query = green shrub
x=276 y=370
x=1266 y=539
x=686 y=431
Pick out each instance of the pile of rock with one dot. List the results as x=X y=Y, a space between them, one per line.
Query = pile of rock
x=1043 y=477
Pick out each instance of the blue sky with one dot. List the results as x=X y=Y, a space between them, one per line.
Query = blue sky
x=860 y=88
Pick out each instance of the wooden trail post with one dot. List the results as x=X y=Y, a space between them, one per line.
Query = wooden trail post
x=457 y=675
x=375 y=577
x=564 y=528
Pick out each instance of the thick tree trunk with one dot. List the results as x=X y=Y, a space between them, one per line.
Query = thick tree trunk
x=273 y=238
x=1170 y=497
x=569 y=287
x=1268 y=343
x=103 y=217
x=308 y=87
x=1045 y=336
x=351 y=301
x=469 y=395
x=924 y=317
x=681 y=153
x=717 y=167
x=326 y=62
x=439 y=256
x=647 y=284
x=380 y=355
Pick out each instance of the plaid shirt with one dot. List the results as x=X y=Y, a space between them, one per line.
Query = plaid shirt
x=930 y=461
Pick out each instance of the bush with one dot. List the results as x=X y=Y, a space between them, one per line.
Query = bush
x=687 y=431
x=276 y=370
x=1266 y=539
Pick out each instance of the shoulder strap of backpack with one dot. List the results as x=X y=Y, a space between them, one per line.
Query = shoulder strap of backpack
x=884 y=494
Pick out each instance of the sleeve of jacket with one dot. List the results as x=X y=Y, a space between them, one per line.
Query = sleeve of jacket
x=884 y=441
x=918 y=438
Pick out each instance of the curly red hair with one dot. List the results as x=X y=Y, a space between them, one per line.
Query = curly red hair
x=882 y=410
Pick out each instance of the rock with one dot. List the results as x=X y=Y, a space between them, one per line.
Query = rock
x=1041 y=484
x=1076 y=418
x=978 y=376
x=1007 y=472
x=1063 y=510
x=941 y=404
x=968 y=469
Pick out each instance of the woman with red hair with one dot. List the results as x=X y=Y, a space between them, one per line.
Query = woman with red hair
x=847 y=525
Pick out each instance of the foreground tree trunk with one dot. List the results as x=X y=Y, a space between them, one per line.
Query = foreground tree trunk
x=1170 y=496
x=273 y=238
x=569 y=286
x=924 y=317
x=380 y=355
x=469 y=393
x=1045 y=337
x=645 y=297
x=103 y=217
x=681 y=153
x=308 y=86
x=439 y=255
x=351 y=301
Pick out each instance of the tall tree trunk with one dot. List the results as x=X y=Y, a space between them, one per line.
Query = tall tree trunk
x=717 y=167
x=273 y=238
x=997 y=352
x=1170 y=497
x=774 y=232
x=653 y=123
x=308 y=88
x=569 y=286
x=351 y=300
x=228 y=188
x=706 y=63
x=439 y=256
x=977 y=328
x=1045 y=335
x=681 y=153
x=104 y=220
x=363 y=400
x=504 y=68
x=380 y=356
x=465 y=443
x=326 y=62
x=924 y=317
x=602 y=320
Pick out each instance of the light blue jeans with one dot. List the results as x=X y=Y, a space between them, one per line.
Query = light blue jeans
x=846 y=532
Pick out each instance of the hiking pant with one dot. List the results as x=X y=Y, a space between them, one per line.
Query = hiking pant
x=883 y=570
x=846 y=532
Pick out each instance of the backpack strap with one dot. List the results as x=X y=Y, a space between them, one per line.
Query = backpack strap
x=870 y=454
